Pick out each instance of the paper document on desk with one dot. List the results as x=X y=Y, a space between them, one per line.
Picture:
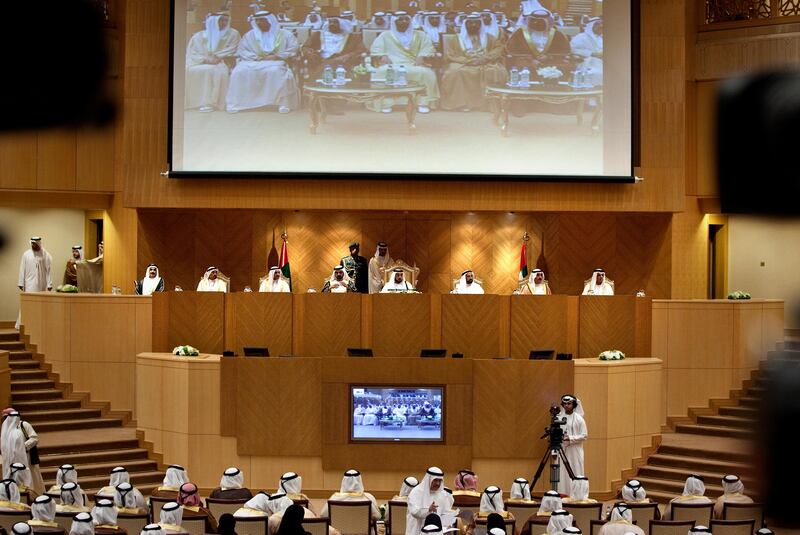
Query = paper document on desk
x=448 y=519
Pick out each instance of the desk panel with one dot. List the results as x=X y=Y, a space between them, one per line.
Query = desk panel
x=329 y=323
x=475 y=325
x=259 y=320
x=615 y=322
x=400 y=324
x=193 y=318
x=543 y=322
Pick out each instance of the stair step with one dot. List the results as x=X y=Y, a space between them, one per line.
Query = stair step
x=742 y=412
x=675 y=487
x=727 y=421
x=72 y=425
x=46 y=405
x=32 y=384
x=756 y=391
x=8 y=345
x=695 y=453
x=28 y=364
x=17 y=375
x=680 y=474
x=19 y=354
x=96 y=483
x=749 y=401
x=118 y=457
x=97 y=446
x=34 y=395
x=701 y=464
x=714 y=430
x=53 y=415
x=89 y=471
x=9 y=336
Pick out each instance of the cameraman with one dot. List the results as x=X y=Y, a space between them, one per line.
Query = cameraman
x=575 y=433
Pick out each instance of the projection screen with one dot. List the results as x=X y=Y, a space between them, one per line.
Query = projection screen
x=251 y=99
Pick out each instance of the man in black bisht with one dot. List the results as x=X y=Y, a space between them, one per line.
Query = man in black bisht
x=357 y=268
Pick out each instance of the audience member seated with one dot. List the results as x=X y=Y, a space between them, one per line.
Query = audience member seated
x=466 y=484
x=292 y=485
x=313 y=20
x=693 y=492
x=413 y=49
x=211 y=283
x=334 y=45
x=189 y=500
x=489 y=21
x=621 y=522
x=397 y=283
x=339 y=282
x=537 y=43
x=207 y=76
x=118 y=474
x=22 y=477
x=551 y=501
x=43 y=511
x=408 y=484
x=520 y=491
x=129 y=500
x=589 y=46
x=171 y=518
x=598 y=285
x=291 y=522
x=433 y=24
x=379 y=21
x=258 y=505
x=20 y=528
x=732 y=492
x=559 y=520
x=227 y=525
x=175 y=476
x=352 y=490
x=579 y=491
x=73 y=499
x=492 y=502
x=262 y=76
x=536 y=284
x=634 y=493
x=279 y=506
x=274 y=282
x=104 y=517
x=66 y=473
x=82 y=524
x=9 y=497
x=152 y=281
x=231 y=486
x=551 y=506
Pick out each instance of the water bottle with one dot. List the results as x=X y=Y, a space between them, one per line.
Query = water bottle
x=390 y=75
x=514 y=82
x=401 y=75
x=340 y=73
x=575 y=75
x=525 y=77
x=327 y=75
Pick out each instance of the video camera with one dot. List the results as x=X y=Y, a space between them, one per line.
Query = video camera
x=555 y=432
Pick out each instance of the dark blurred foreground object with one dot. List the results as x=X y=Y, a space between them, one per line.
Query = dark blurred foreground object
x=757 y=133
x=56 y=64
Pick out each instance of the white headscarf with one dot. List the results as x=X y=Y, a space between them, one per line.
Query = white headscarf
x=461 y=286
x=267 y=40
x=382 y=260
x=694 y=486
x=405 y=38
x=333 y=43
x=422 y=494
x=278 y=503
x=433 y=31
x=392 y=285
x=594 y=287
x=345 y=280
x=149 y=284
x=291 y=483
x=118 y=475
x=66 y=474
x=44 y=508
x=9 y=491
x=539 y=39
x=82 y=525
x=559 y=519
x=12 y=442
x=313 y=25
x=621 y=513
x=492 y=500
x=71 y=494
x=464 y=38
x=492 y=29
x=633 y=491
x=408 y=484
x=374 y=24
x=213 y=33
x=20 y=474
x=171 y=513
x=596 y=40
x=176 y=475
x=732 y=485
x=151 y=529
x=578 y=406
x=125 y=496
x=579 y=489
x=520 y=489
x=104 y=513
x=21 y=528
x=259 y=502
x=551 y=501
x=232 y=478
x=351 y=483
x=537 y=288
x=78 y=248
x=270 y=284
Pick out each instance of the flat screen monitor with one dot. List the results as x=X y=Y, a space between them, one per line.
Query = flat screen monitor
x=396 y=413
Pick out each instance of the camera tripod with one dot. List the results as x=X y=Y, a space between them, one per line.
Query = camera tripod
x=555 y=452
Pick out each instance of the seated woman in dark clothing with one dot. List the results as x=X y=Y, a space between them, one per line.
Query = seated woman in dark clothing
x=292 y=521
x=227 y=525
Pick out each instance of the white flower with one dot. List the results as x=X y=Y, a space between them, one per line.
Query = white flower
x=549 y=73
x=611 y=354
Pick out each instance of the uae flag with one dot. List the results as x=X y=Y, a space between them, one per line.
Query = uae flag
x=283 y=263
x=523 y=262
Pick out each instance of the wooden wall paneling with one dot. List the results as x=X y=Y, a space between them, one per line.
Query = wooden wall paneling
x=689 y=265
x=259 y=320
x=323 y=337
x=18 y=160
x=167 y=239
x=608 y=322
x=642 y=253
x=56 y=159
x=266 y=234
x=428 y=246
x=400 y=324
x=197 y=319
x=237 y=261
x=228 y=397
x=543 y=322
x=161 y=302
x=471 y=324
x=94 y=159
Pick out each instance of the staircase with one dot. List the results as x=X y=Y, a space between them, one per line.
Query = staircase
x=72 y=429
x=713 y=441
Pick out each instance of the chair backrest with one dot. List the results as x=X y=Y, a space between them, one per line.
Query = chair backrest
x=316 y=526
x=37 y=530
x=509 y=524
x=9 y=518
x=194 y=526
x=252 y=525
x=744 y=511
x=701 y=513
x=25 y=497
x=219 y=507
x=64 y=520
x=595 y=526
x=368 y=36
x=733 y=527
x=584 y=513
x=397 y=517
x=156 y=504
x=302 y=502
x=522 y=511
x=350 y=517
x=132 y=523
x=670 y=527
x=643 y=513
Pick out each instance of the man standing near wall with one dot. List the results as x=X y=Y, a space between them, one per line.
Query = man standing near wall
x=34 y=270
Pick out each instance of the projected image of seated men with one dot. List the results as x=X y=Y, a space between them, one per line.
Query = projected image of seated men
x=396 y=414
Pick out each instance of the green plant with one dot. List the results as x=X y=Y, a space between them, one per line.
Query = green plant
x=739 y=294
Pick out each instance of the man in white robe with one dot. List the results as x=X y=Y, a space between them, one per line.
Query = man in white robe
x=575 y=434
x=376 y=264
x=634 y=492
x=34 y=270
x=151 y=282
x=398 y=283
x=339 y=282
x=694 y=491
x=274 y=282
x=589 y=45
x=551 y=501
x=559 y=521
x=379 y=21
x=262 y=77
x=467 y=284
x=490 y=23
x=621 y=522
x=732 y=492
x=536 y=284
x=313 y=20
x=211 y=281
x=434 y=26
x=579 y=490
x=492 y=502
x=19 y=444
x=207 y=73
x=403 y=45
x=428 y=497
x=520 y=491
x=598 y=285
x=352 y=490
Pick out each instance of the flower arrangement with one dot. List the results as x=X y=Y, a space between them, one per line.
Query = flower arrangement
x=549 y=73
x=611 y=354
x=738 y=294
x=383 y=511
x=186 y=351
x=67 y=288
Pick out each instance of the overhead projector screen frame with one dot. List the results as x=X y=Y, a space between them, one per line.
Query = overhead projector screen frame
x=635 y=149
x=408 y=441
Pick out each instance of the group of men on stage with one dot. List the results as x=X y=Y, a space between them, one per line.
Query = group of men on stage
x=225 y=71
